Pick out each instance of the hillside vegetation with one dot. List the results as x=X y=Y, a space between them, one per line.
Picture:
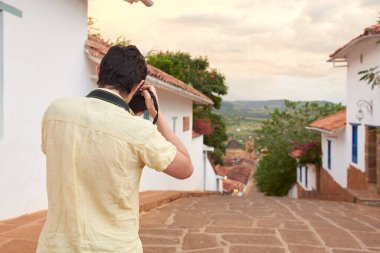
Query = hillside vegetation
x=243 y=118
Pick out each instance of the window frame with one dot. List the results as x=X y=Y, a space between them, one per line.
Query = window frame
x=329 y=154
x=354 y=144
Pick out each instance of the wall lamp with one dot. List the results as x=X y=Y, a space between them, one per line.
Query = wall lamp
x=363 y=104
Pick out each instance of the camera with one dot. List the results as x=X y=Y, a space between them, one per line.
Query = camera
x=137 y=103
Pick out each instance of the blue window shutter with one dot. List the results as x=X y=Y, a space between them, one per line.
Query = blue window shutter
x=329 y=154
x=300 y=170
x=306 y=168
x=355 y=144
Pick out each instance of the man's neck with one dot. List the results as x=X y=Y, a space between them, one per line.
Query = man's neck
x=126 y=98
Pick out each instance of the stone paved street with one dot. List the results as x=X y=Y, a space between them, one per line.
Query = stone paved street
x=221 y=224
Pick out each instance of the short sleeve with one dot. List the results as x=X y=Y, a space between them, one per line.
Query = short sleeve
x=157 y=153
x=43 y=133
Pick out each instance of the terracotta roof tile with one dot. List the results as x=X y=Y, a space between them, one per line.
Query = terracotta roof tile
x=98 y=48
x=372 y=30
x=331 y=123
x=233 y=144
x=195 y=134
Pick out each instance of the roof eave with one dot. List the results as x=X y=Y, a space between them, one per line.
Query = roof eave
x=340 y=55
x=166 y=86
x=333 y=132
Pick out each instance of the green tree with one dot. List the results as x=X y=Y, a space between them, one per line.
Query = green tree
x=372 y=75
x=196 y=72
x=276 y=171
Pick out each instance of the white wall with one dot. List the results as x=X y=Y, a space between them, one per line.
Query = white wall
x=211 y=178
x=301 y=178
x=173 y=105
x=339 y=147
x=43 y=59
x=293 y=192
x=357 y=90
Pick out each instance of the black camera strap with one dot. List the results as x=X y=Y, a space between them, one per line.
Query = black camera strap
x=109 y=97
x=116 y=100
x=155 y=105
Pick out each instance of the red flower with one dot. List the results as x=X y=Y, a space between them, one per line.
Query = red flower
x=202 y=126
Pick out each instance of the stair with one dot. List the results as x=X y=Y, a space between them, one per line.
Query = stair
x=369 y=197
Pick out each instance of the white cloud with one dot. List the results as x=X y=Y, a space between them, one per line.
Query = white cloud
x=276 y=48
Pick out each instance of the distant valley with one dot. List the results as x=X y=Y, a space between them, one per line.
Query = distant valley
x=243 y=118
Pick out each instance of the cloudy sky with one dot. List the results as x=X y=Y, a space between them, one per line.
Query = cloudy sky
x=267 y=49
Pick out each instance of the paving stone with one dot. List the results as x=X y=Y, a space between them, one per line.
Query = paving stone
x=255 y=249
x=299 y=237
x=306 y=249
x=295 y=226
x=251 y=239
x=18 y=246
x=353 y=251
x=233 y=222
x=151 y=240
x=338 y=238
x=199 y=241
x=159 y=249
x=235 y=230
x=269 y=223
x=161 y=232
x=217 y=250
x=369 y=239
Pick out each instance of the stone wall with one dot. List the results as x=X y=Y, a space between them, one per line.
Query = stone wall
x=378 y=160
x=356 y=179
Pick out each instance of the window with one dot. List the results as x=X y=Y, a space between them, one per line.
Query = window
x=329 y=154
x=1 y=78
x=354 y=143
x=186 y=123
x=300 y=173
x=174 y=119
x=306 y=170
x=18 y=13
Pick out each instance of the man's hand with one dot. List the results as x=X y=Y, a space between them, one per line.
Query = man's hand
x=148 y=99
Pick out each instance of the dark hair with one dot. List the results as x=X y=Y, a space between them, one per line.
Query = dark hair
x=122 y=67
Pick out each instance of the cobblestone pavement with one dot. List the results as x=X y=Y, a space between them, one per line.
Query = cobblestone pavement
x=221 y=224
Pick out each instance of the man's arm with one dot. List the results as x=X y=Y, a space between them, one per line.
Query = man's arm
x=181 y=166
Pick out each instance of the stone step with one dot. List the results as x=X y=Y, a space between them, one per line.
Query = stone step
x=366 y=197
x=368 y=202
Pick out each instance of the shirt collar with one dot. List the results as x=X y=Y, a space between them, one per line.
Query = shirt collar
x=116 y=94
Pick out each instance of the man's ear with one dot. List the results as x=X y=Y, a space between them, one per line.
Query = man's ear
x=97 y=71
x=136 y=87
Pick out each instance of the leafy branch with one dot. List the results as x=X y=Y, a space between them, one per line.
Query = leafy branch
x=371 y=76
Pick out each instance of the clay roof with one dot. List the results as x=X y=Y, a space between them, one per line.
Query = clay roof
x=195 y=134
x=240 y=173
x=98 y=48
x=340 y=52
x=330 y=123
x=233 y=144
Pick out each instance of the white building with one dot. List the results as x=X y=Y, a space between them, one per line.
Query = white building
x=42 y=57
x=351 y=138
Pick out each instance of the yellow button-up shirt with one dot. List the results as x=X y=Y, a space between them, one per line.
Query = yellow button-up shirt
x=95 y=153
